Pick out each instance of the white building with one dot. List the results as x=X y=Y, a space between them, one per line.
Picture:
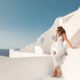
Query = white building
x=71 y=24
x=37 y=64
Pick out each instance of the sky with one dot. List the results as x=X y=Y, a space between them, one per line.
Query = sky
x=23 y=21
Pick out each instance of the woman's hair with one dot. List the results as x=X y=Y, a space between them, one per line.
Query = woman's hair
x=60 y=30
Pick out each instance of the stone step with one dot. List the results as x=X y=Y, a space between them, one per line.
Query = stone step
x=52 y=78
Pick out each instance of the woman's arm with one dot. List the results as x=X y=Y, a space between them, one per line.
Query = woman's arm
x=68 y=42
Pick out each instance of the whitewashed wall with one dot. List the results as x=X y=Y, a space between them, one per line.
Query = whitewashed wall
x=70 y=22
x=32 y=68
x=71 y=66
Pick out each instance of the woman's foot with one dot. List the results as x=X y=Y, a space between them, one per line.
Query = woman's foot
x=54 y=73
x=57 y=72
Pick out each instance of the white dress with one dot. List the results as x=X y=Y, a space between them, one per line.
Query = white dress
x=58 y=51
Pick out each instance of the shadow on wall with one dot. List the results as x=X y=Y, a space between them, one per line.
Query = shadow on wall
x=76 y=39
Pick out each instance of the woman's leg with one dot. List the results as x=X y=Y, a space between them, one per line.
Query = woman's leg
x=54 y=72
x=58 y=72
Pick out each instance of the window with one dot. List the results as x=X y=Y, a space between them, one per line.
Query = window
x=42 y=40
x=52 y=38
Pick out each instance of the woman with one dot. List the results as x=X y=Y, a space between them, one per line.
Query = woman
x=59 y=51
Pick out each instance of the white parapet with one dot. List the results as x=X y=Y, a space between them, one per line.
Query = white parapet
x=38 y=50
x=71 y=66
x=21 y=54
x=29 y=68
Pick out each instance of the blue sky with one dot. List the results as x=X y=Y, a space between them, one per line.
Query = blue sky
x=22 y=21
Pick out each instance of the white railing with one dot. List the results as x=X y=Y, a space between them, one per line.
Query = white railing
x=66 y=19
x=22 y=54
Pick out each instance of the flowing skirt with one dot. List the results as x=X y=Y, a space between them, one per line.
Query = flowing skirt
x=58 y=55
